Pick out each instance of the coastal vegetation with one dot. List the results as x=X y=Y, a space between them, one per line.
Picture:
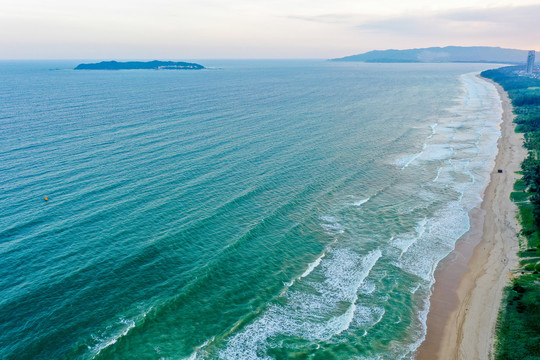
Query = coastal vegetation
x=518 y=326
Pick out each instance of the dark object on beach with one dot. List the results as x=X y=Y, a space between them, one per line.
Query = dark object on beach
x=140 y=65
x=499 y=171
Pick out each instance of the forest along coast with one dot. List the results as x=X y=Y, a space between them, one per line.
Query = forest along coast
x=469 y=283
x=518 y=325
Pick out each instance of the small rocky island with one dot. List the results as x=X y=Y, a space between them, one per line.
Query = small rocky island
x=140 y=65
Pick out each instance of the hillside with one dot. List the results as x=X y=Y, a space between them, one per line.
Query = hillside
x=480 y=54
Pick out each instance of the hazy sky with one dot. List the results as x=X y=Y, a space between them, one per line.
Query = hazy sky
x=199 y=29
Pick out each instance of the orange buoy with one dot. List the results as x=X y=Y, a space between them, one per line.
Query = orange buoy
x=46 y=198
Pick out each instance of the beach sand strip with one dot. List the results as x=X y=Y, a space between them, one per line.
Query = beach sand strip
x=469 y=282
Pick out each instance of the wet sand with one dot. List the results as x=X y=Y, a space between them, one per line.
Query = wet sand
x=470 y=281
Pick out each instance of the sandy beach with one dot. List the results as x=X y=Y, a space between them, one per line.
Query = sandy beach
x=470 y=281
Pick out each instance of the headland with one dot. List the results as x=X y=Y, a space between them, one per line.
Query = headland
x=455 y=54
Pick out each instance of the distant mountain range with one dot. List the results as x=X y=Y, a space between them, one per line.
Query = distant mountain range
x=477 y=54
x=140 y=65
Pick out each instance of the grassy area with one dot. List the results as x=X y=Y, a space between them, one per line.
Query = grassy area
x=529 y=229
x=518 y=325
x=520 y=185
x=519 y=196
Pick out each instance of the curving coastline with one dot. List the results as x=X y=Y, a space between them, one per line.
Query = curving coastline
x=469 y=282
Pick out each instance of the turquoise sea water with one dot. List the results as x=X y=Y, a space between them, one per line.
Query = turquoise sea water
x=255 y=210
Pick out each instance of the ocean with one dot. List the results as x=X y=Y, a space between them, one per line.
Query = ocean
x=253 y=210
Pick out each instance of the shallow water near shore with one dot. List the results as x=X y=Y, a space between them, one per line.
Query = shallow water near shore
x=255 y=210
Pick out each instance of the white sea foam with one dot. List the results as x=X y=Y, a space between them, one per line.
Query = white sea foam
x=434 y=152
x=332 y=225
x=309 y=270
x=368 y=317
x=438 y=174
x=360 y=202
x=114 y=332
x=404 y=241
x=427 y=152
x=442 y=230
x=460 y=154
x=199 y=349
x=126 y=326
x=313 y=265
x=331 y=297
x=406 y=160
x=471 y=135
x=367 y=288
x=316 y=315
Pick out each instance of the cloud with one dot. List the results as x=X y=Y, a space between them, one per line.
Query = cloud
x=508 y=14
x=328 y=18
x=509 y=20
x=503 y=25
x=507 y=26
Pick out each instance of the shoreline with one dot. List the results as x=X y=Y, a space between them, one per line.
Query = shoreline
x=469 y=282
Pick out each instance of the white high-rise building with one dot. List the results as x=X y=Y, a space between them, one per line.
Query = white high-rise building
x=530 y=62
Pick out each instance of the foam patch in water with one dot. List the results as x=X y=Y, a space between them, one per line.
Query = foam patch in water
x=332 y=225
x=316 y=315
